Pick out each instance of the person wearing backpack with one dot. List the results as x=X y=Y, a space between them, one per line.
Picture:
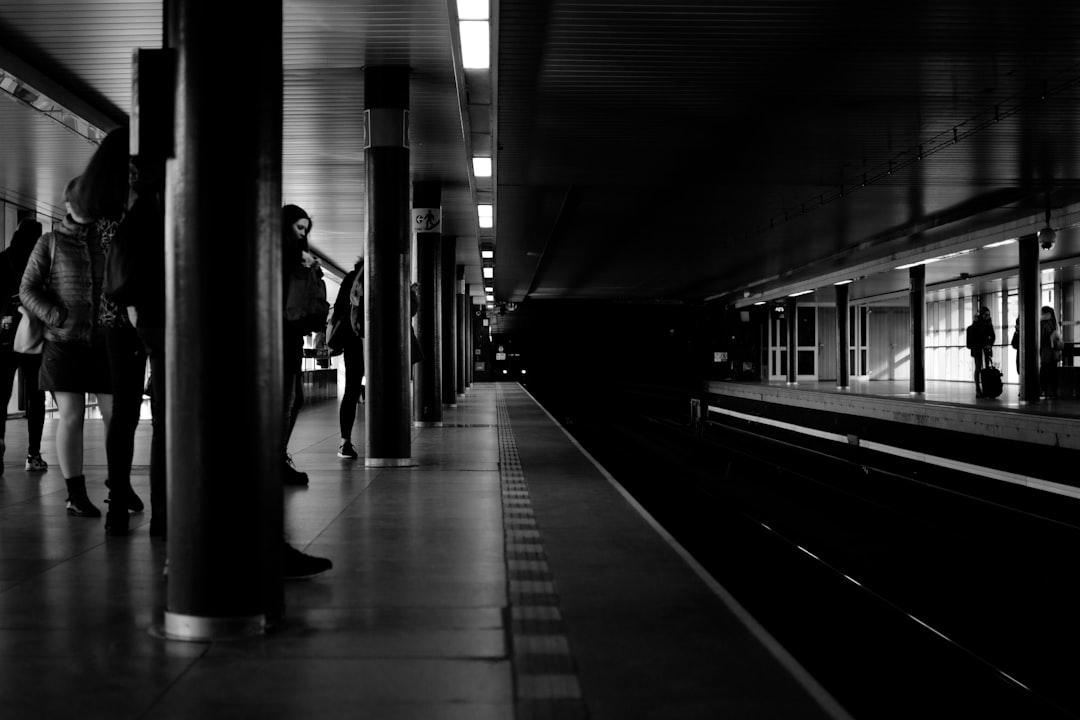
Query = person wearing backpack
x=12 y=263
x=980 y=341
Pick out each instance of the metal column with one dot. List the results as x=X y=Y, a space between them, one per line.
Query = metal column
x=427 y=224
x=791 y=307
x=461 y=334
x=225 y=503
x=387 y=264
x=448 y=318
x=1030 y=302
x=917 y=304
x=843 y=371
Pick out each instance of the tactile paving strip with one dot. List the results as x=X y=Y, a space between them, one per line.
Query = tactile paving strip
x=545 y=675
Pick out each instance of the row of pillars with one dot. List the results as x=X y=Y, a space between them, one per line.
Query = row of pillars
x=221 y=144
x=1030 y=308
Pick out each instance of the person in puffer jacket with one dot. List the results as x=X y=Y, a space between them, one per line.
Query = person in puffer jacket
x=61 y=286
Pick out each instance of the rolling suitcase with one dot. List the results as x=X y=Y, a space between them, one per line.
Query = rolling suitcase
x=990 y=377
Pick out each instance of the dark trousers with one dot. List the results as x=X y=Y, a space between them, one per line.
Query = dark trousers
x=1048 y=379
x=353 y=357
x=127 y=374
x=10 y=363
x=154 y=341
x=294 y=398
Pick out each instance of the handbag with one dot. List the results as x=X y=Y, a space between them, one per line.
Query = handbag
x=30 y=335
x=338 y=332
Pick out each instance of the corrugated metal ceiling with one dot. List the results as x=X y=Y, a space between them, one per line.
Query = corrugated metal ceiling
x=647 y=151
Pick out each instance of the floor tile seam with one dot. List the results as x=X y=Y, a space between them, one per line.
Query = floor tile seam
x=543 y=666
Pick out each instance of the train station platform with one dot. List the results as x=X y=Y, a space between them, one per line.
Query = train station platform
x=1025 y=443
x=502 y=575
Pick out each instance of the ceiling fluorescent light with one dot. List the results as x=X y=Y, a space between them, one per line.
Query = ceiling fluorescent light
x=481 y=166
x=489 y=272
x=844 y=282
x=920 y=262
x=475 y=44
x=472 y=9
x=1010 y=241
x=801 y=292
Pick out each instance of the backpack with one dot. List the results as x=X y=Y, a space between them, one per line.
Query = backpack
x=356 y=304
x=306 y=306
x=973 y=337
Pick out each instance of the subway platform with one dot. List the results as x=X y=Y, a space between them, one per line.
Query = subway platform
x=502 y=575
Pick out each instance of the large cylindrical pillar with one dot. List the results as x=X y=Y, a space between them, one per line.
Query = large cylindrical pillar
x=1030 y=293
x=448 y=320
x=223 y=245
x=791 y=308
x=462 y=342
x=917 y=305
x=427 y=224
x=843 y=370
x=387 y=266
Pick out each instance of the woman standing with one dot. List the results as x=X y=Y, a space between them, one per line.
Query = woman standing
x=352 y=355
x=105 y=194
x=1050 y=346
x=62 y=286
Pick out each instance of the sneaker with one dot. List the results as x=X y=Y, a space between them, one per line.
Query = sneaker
x=292 y=476
x=296 y=565
x=347 y=450
x=80 y=506
x=35 y=463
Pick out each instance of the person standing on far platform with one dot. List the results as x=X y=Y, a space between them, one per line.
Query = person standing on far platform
x=12 y=263
x=1050 y=347
x=980 y=341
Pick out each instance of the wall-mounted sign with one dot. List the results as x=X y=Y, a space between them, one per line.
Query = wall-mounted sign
x=427 y=220
x=719 y=356
x=500 y=357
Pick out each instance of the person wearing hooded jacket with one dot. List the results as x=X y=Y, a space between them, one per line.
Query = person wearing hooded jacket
x=12 y=264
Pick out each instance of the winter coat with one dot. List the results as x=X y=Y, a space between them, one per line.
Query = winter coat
x=63 y=291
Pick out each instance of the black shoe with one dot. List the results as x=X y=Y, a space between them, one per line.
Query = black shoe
x=80 y=506
x=131 y=500
x=116 y=523
x=77 y=502
x=292 y=476
x=296 y=565
x=157 y=527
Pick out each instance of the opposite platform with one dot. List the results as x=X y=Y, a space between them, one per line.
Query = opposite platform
x=502 y=575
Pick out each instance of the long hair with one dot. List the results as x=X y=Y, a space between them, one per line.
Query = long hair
x=292 y=246
x=102 y=191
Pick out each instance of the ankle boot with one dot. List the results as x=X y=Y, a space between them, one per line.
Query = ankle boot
x=116 y=522
x=123 y=495
x=77 y=502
